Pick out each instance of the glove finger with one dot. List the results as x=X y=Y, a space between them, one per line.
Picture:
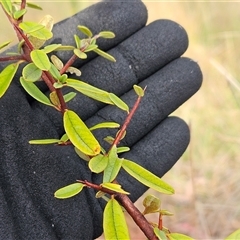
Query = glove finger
x=157 y=152
x=122 y=18
x=166 y=90
x=138 y=57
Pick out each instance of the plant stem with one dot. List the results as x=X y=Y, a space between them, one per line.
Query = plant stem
x=126 y=122
x=137 y=216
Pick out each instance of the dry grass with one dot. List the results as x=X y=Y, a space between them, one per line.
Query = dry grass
x=206 y=203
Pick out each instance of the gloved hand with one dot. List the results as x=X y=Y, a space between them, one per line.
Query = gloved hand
x=30 y=174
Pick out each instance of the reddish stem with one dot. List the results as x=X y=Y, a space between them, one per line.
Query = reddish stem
x=125 y=201
x=137 y=216
x=127 y=121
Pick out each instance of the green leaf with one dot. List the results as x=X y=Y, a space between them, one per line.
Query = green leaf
x=34 y=6
x=147 y=178
x=166 y=212
x=6 y=77
x=63 y=78
x=105 y=125
x=114 y=223
x=234 y=236
x=42 y=34
x=79 y=53
x=35 y=92
x=114 y=187
x=89 y=90
x=44 y=141
x=178 y=236
x=160 y=234
x=64 y=138
x=123 y=149
x=105 y=55
x=54 y=72
x=7 y=5
x=69 y=191
x=31 y=72
x=5 y=44
x=98 y=163
x=69 y=96
x=40 y=59
x=77 y=41
x=51 y=48
x=152 y=204
x=113 y=166
x=79 y=134
x=109 y=139
x=19 y=13
x=138 y=90
x=106 y=34
x=91 y=48
x=30 y=27
x=82 y=155
x=85 y=30
x=119 y=102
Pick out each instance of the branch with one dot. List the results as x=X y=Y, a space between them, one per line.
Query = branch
x=137 y=216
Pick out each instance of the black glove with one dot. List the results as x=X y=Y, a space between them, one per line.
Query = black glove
x=30 y=174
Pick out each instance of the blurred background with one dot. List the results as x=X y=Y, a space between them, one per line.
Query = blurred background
x=206 y=179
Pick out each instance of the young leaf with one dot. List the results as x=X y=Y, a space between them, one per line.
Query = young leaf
x=34 y=6
x=109 y=139
x=139 y=91
x=35 y=92
x=44 y=141
x=147 y=178
x=105 y=125
x=31 y=73
x=98 y=163
x=151 y=204
x=91 y=48
x=123 y=149
x=40 y=59
x=119 y=102
x=6 y=77
x=234 y=236
x=105 y=55
x=5 y=44
x=106 y=34
x=79 y=53
x=54 y=72
x=85 y=30
x=113 y=166
x=166 y=212
x=7 y=5
x=57 y=62
x=19 y=13
x=114 y=187
x=69 y=191
x=51 y=48
x=73 y=70
x=114 y=223
x=79 y=134
x=77 y=41
x=69 y=96
x=179 y=236
x=89 y=90
x=160 y=234
x=64 y=138
x=54 y=98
